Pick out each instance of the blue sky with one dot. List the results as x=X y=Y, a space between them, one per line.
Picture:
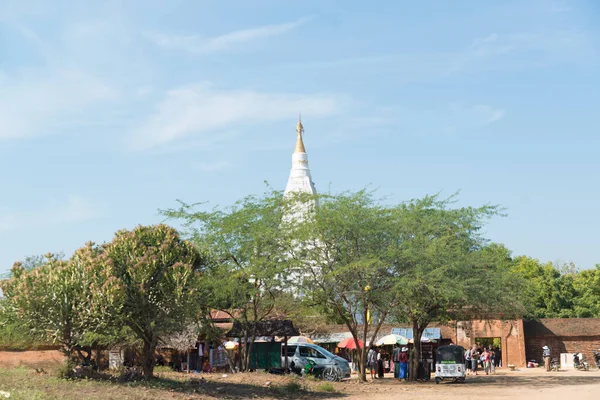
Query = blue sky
x=111 y=110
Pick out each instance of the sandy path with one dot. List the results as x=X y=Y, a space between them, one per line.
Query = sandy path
x=524 y=384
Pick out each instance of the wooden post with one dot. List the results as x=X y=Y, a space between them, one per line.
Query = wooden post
x=285 y=352
x=269 y=353
x=256 y=357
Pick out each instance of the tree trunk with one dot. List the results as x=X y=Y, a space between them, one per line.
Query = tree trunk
x=188 y=361
x=249 y=349
x=148 y=359
x=416 y=353
x=362 y=367
x=98 y=355
x=285 y=351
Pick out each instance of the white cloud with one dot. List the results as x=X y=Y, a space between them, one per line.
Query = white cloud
x=202 y=111
x=203 y=45
x=75 y=209
x=37 y=103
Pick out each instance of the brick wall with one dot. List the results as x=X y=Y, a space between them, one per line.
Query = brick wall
x=511 y=334
x=562 y=335
x=560 y=344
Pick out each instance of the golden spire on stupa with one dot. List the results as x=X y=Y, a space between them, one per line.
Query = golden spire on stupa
x=300 y=131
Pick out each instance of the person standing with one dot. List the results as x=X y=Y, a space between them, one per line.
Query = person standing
x=396 y=359
x=468 y=361
x=498 y=357
x=404 y=364
x=546 y=355
x=474 y=359
x=372 y=361
x=380 y=356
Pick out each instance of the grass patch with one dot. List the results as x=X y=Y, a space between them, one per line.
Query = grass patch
x=293 y=388
x=326 y=387
x=162 y=369
x=25 y=383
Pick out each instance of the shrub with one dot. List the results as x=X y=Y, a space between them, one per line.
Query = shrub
x=293 y=387
x=66 y=370
x=326 y=387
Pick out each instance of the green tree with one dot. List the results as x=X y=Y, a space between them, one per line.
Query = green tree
x=247 y=247
x=549 y=292
x=60 y=300
x=158 y=276
x=38 y=260
x=342 y=261
x=442 y=267
x=586 y=284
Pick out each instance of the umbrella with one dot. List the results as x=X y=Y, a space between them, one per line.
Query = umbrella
x=230 y=345
x=391 y=339
x=299 y=339
x=423 y=340
x=349 y=343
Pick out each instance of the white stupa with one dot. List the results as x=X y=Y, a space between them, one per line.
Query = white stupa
x=300 y=179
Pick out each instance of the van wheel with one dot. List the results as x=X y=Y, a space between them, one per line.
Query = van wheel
x=437 y=381
x=293 y=367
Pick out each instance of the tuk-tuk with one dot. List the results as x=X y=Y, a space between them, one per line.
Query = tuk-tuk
x=450 y=363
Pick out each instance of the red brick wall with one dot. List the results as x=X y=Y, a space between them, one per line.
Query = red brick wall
x=561 y=344
x=511 y=334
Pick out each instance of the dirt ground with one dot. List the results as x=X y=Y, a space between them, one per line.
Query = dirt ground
x=522 y=384
x=36 y=358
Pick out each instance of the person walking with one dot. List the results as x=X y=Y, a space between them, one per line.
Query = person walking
x=487 y=360
x=372 y=361
x=396 y=359
x=547 y=359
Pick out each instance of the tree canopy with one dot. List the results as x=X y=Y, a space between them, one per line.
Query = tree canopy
x=355 y=259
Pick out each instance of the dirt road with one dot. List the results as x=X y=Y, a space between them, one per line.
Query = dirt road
x=531 y=384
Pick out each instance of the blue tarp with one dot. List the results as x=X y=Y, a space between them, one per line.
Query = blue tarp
x=429 y=333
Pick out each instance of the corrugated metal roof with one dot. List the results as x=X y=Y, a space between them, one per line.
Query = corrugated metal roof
x=428 y=333
x=331 y=337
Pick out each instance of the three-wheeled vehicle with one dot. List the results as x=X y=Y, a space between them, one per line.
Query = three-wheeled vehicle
x=450 y=363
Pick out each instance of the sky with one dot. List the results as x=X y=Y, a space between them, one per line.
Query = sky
x=112 y=110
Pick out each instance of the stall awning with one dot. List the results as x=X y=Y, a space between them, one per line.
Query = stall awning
x=428 y=333
x=331 y=337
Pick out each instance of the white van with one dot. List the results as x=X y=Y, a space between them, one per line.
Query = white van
x=299 y=353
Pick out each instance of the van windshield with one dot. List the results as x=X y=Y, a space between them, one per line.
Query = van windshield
x=326 y=353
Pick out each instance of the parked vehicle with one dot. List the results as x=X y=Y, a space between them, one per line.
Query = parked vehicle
x=450 y=363
x=554 y=365
x=596 y=358
x=327 y=365
x=579 y=362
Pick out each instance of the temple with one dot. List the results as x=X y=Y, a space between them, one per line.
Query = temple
x=300 y=179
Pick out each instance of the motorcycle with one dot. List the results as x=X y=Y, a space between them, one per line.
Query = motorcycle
x=329 y=373
x=596 y=358
x=579 y=362
x=554 y=365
